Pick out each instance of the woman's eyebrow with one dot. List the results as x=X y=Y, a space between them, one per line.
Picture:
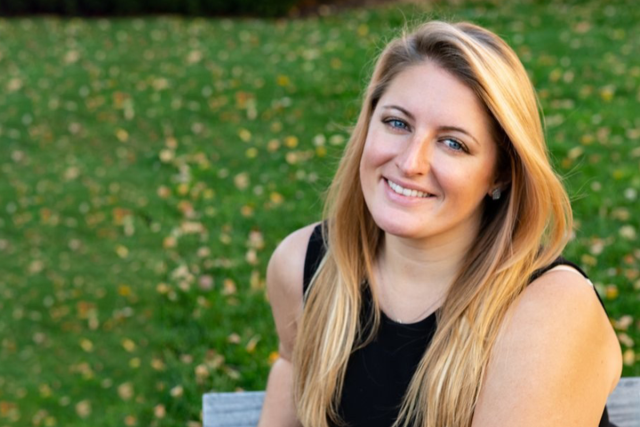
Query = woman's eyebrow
x=405 y=112
x=440 y=128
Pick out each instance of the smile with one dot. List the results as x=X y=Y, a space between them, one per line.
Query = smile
x=405 y=191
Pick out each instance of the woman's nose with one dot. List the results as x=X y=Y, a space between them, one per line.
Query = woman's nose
x=415 y=157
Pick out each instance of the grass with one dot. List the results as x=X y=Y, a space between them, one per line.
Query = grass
x=150 y=166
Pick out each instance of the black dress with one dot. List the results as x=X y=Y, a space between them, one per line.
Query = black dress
x=378 y=375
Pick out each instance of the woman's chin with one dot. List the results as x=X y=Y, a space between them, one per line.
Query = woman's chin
x=399 y=228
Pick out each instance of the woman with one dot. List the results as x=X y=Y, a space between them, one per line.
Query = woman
x=434 y=291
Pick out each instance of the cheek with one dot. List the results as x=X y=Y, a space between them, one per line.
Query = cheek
x=368 y=172
x=369 y=158
x=376 y=152
x=468 y=183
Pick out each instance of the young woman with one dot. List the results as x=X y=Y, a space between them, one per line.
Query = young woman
x=433 y=294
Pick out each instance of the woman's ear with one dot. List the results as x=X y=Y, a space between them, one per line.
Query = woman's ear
x=502 y=173
x=498 y=188
x=501 y=181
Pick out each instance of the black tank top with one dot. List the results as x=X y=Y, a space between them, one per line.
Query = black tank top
x=378 y=375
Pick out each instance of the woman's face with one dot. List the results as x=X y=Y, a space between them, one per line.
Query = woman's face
x=429 y=159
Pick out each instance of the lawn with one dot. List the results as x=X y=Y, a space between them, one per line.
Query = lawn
x=151 y=165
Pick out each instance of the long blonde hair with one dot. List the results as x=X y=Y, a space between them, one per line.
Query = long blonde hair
x=524 y=231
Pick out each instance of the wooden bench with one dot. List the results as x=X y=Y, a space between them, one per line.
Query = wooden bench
x=243 y=409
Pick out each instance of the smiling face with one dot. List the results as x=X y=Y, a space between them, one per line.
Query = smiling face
x=429 y=158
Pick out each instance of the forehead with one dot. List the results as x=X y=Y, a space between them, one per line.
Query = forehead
x=432 y=94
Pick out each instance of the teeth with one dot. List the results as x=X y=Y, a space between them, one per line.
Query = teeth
x=405 y=191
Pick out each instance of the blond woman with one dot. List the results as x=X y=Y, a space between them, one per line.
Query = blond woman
x=434 y=294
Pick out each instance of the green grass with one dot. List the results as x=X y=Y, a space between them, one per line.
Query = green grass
x=151 y=166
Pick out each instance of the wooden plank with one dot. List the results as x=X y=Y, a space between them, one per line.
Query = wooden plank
x=232 y=409
x=243 y=409
x=624 y=403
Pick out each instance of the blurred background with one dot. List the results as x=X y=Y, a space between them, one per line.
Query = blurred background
x=152 y=157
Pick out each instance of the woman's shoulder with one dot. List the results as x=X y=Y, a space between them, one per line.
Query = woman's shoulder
x=556 y=354
x=562 y=292
x=287 y=262
x=562 y=308
x=284 y=284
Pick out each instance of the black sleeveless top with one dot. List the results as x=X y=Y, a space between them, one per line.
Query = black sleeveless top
x=378 y=375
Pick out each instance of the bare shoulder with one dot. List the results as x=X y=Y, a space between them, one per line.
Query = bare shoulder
x=286 y=266
x=563 y=305
x=284 y=285
x=556 y=358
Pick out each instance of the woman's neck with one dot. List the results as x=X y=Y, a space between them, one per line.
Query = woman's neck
x=418 y=266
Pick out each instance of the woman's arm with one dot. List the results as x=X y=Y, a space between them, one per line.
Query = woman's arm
x=555 y=361
x=278 y=408
x=284 y=289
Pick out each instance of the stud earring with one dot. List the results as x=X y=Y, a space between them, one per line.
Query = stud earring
x=495 y=194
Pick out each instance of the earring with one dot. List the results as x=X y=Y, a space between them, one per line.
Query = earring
x=495 y=194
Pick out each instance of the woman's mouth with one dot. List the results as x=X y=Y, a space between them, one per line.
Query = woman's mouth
x=397 y=188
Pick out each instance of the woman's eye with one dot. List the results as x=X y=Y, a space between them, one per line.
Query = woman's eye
x=454 y=145
x=397 y=124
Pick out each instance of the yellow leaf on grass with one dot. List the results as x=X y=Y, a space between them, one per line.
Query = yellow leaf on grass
x=86 y=345
x=122 y=135
x=251 y=345
x=283 y=80
x=611 y=292
x=128 y=345
x=122 y=251
x=244 y=135
x=629 y=357
x=276 y=198
x=291 y=141
x=273 y=356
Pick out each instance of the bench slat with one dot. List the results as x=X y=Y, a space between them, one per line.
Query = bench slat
x=624 y=403
x=243 y=409
x=232 y=409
